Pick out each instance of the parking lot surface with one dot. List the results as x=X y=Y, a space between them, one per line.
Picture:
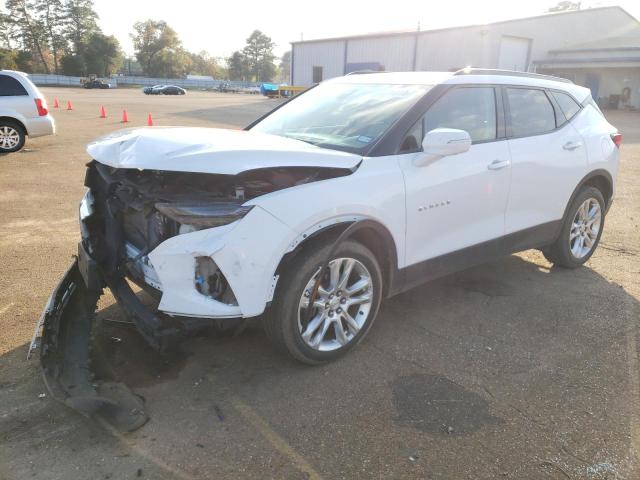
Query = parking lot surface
x=508 y=370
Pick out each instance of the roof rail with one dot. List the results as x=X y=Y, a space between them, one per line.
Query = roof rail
x=509 y=73
x=363 y=72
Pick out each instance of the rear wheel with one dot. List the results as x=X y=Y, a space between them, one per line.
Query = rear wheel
x=343 y=311
x=12 y=136
x=581 y=230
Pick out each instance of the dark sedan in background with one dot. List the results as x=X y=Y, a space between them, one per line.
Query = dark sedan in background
x=164 y=90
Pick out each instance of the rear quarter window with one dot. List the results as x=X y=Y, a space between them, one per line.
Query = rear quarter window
x=10 y=87
x=567 y=104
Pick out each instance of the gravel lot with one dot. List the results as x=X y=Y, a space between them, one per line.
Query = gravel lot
x=509 y=370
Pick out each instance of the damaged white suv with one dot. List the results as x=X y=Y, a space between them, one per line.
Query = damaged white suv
x=356 y=190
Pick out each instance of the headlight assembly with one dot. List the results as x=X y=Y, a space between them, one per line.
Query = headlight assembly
x=204 y=215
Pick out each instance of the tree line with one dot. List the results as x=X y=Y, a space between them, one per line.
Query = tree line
x=55 y=36
x=63 y=37
x=160 y=53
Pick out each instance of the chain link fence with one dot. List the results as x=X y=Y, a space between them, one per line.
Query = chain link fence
x=189 y=84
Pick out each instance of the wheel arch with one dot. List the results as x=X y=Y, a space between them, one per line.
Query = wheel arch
x=600 y=179
x=370 y=233
x=16 y=121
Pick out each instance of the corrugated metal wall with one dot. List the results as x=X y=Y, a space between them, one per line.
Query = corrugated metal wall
x=450 y=49
x=392 y=53
x=329 y=55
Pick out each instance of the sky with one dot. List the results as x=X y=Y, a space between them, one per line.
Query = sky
x=220 y=27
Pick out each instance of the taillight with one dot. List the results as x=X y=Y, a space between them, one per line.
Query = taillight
x=42 y=106
x=617 y=139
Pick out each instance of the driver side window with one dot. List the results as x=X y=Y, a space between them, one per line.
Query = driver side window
x=472 y=109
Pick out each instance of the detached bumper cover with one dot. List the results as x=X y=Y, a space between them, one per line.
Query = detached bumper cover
x=64 y=355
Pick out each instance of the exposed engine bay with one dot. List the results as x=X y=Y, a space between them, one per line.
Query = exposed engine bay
x=137 y=210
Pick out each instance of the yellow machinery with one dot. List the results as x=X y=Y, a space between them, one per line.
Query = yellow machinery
x=293 y=90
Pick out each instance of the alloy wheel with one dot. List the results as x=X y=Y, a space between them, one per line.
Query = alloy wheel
x=341 y=307
x=9 y=137
x=585 y=228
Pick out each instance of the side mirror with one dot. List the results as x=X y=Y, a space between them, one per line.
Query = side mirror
x=443 y=142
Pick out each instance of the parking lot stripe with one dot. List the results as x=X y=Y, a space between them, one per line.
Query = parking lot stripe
x=130 y=443
x=279 y=443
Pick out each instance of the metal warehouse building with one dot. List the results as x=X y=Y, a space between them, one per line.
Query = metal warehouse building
x=598 y=48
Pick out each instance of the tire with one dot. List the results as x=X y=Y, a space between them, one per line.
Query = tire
x=584 y=221
x=12 y=136
x=285 y=320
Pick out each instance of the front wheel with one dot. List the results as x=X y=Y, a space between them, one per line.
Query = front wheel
x=12 y=136
x=343 y=311
x=581 y=230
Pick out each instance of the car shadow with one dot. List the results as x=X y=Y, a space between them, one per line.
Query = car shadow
x=504 y=355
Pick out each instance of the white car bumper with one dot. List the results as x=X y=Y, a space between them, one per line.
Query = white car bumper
x=40 y=126
x=247 y=252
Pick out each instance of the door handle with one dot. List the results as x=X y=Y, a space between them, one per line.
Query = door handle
x=571 y=145
x=498 y=164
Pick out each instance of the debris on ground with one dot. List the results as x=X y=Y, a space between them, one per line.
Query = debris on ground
x=218 y=411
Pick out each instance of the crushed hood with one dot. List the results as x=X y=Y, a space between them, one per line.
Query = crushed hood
x=210 y=150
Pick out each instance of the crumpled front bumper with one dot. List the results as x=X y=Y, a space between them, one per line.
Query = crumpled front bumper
x=247 y=259
x=247 y=252
x=64 y=333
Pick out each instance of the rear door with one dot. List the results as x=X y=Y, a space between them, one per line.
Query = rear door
x=548 y=159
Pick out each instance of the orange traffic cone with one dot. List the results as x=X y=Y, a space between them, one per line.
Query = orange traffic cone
x=103 y=113
x=55 y=103
x=69 y=106
x=149 y=121
x=125 y=117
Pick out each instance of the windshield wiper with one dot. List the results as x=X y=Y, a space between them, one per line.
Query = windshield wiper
x=302 y=138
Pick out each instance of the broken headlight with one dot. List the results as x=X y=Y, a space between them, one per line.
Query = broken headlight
x=204 y=215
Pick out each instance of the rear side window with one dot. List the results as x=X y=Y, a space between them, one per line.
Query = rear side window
x=10 y=87
x=531 y=112
x=567 y=104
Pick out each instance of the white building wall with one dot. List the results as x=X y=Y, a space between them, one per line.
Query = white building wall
x=329 y=55
x=451 y=49
x=394 y=53
x=556 y=31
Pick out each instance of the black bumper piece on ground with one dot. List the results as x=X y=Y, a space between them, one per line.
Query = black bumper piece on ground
x=64 y=355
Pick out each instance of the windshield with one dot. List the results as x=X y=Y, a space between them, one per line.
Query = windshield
x=348 y=117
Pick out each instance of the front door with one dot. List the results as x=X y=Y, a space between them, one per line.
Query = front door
x=457 y=201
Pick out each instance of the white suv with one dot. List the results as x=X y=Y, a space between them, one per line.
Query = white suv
x=23 y=111
x=356 y=190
